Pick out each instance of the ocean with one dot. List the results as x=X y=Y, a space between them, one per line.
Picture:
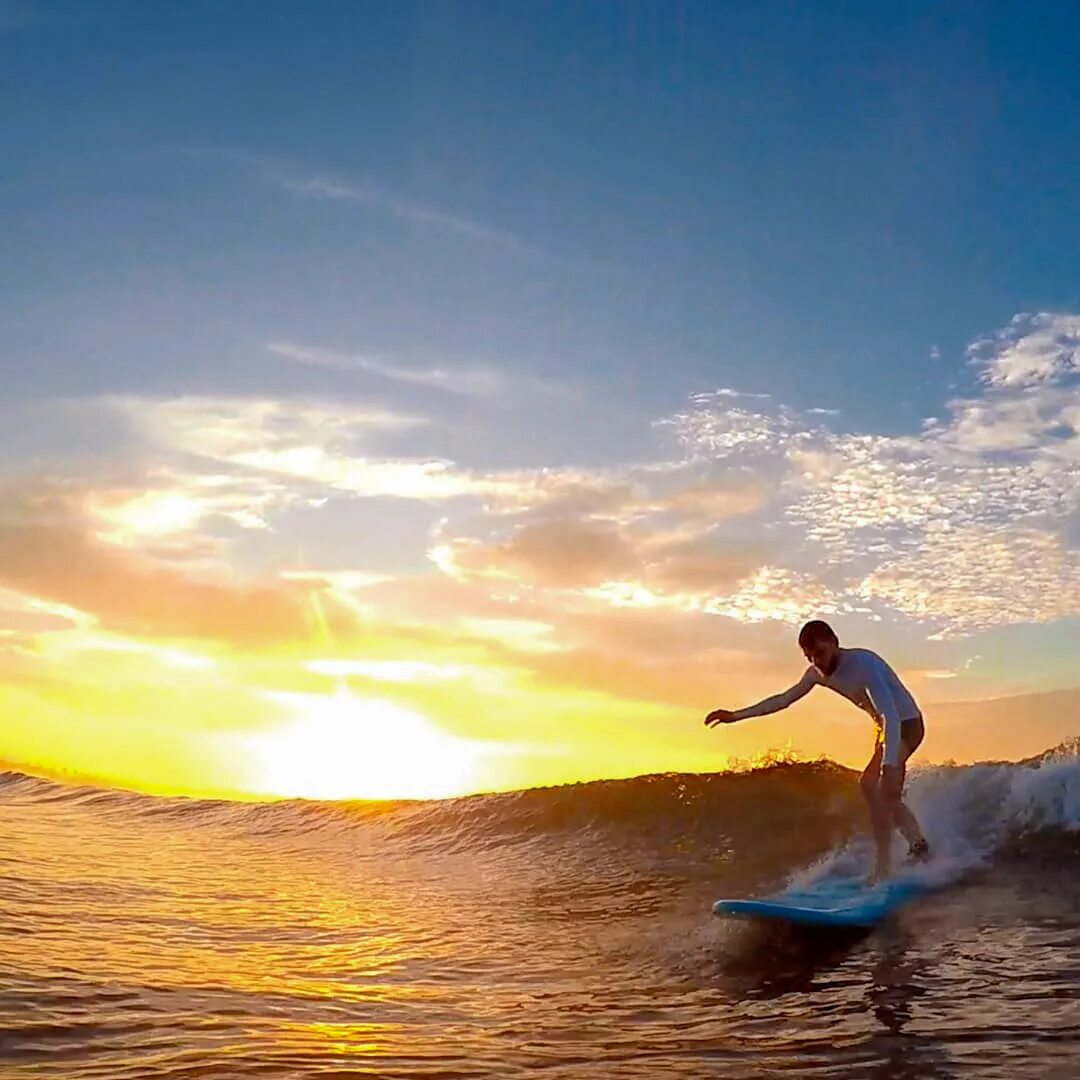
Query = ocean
x=559 y=932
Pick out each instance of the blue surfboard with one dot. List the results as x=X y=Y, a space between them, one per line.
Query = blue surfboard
x=831 y=903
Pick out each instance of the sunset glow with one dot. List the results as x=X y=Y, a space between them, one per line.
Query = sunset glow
x=552 y=624
x=367 y=432
x=344 y=746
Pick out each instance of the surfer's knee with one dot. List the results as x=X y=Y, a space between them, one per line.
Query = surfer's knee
x=892 y=802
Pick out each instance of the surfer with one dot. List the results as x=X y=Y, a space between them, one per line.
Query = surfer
x=868 y=682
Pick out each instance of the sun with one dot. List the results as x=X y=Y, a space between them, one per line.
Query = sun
x=348 y=747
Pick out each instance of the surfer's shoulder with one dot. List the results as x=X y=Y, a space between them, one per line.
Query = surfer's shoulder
x=863 y=656
x=867 y=664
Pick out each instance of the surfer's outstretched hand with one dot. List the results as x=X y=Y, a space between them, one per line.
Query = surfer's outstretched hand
x=719 y=716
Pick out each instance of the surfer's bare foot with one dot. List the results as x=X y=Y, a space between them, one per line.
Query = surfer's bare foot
x=878 y=875
x=919 y=852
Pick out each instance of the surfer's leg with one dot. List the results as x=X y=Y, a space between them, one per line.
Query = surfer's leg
x=902 y=817
x=880 y=819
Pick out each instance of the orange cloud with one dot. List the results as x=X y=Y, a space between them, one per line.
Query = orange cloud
x=559 y=552
x=571 y=553
x=48 y=552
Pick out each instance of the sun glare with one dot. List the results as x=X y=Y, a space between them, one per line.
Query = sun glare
x=153 y=513
x=347 y=747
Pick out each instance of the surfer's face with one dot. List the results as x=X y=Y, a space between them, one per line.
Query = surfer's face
x=823 y=653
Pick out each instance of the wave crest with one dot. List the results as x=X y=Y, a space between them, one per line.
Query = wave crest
x=767 y=819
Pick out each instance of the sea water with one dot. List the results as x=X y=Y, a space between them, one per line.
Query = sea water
x=563 y=932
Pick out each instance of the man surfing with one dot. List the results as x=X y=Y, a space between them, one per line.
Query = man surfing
x=868 y=682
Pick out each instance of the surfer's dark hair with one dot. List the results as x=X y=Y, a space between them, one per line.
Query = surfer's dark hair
x=815 y=630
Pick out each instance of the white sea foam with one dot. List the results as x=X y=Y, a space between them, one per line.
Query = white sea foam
x=967 y=812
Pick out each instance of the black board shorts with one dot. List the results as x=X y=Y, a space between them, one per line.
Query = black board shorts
x=912 y=731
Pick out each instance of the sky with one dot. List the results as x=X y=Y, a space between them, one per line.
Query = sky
x=411 y=399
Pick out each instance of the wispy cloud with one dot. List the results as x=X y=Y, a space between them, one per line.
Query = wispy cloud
x=314 y=183
x=309 y=183
x=473 y=381
x=325 y=445
x=416 y=213
x=310 y=447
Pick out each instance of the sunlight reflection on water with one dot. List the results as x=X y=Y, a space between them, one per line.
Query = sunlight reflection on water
x=140 y=945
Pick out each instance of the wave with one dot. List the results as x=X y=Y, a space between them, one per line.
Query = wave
x=769 y=820
x=979 y=815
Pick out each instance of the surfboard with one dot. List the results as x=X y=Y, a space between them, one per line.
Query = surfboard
x=831 y=903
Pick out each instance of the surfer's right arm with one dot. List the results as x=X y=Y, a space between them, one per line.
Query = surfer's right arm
x=770 y=704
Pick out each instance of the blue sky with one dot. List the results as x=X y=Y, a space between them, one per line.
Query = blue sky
x=772 y=196
x=425 y=290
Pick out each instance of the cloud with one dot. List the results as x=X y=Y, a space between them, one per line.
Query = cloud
x=322 y=445
x=1031 y=350
x=415 y=213
x=475 y=381
x=963 y=525
x=305 y=183
x=779 y=594
x=672 y=489
x=230 y=427
x=49 y=553
x=567 y=553
x=559 y=552
x=574 y=641
x=981 y=577
x=727 y=497
x=23 y=616
x=773 y=515
x=284 y=450
x=1043 y=419
x=757 y=512
x=166 y=508
x=642 y=562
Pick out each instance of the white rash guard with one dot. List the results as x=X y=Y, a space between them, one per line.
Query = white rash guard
x=866 y=681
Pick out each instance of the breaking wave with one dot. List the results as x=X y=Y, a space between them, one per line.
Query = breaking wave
x=771 y=820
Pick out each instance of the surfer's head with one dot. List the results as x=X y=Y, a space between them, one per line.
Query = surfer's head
x=820 y=646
